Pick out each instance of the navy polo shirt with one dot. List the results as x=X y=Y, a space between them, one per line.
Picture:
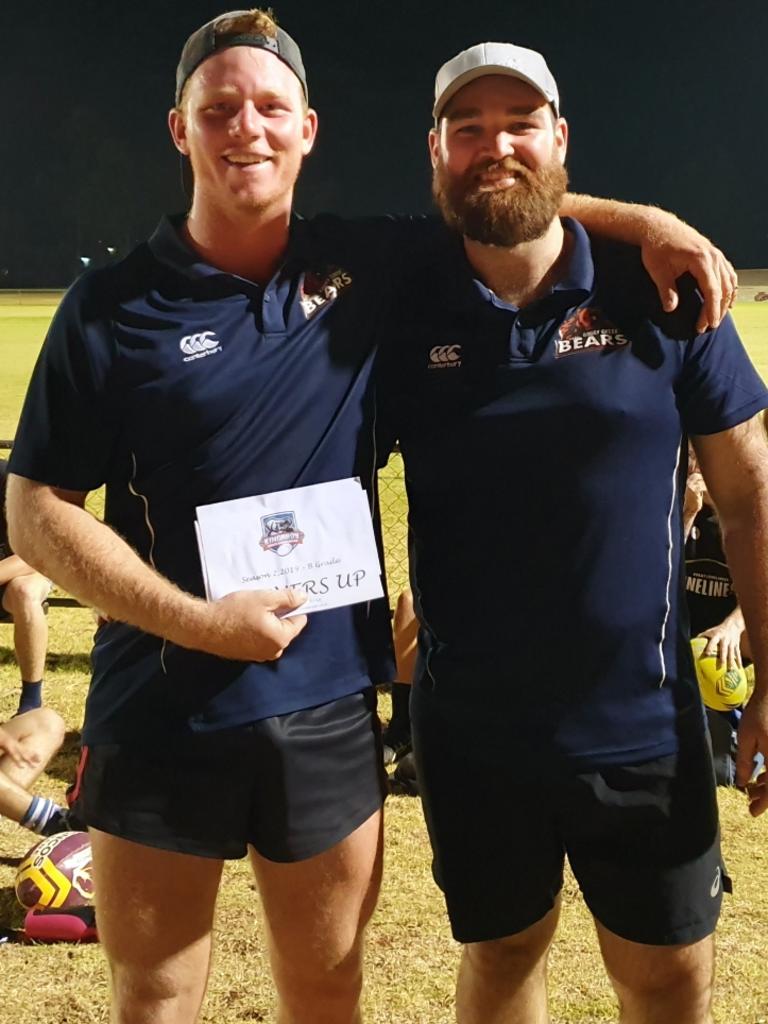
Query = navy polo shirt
x=178 y=385
x=545 y=468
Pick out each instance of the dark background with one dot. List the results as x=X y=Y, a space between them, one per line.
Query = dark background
x=666 y=103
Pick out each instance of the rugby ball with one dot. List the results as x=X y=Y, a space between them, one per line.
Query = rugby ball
x=56 y=873
x=722 y=689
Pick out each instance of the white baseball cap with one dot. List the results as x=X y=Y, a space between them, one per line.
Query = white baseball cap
x=494 y=59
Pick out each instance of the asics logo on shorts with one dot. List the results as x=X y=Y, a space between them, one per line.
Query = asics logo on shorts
x=445 y=357
x=715 y=885
x=200 y=345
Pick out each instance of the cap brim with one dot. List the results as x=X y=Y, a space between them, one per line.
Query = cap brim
x=481 y=72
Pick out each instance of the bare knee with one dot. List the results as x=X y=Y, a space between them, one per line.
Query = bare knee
x=514 y=954
x=24 y=595
x=45 y=725
x=52 y=724
x=678 y=977
x=41 y=731
x=140 y=983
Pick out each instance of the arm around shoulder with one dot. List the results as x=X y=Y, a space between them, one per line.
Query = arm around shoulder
x=670 y=248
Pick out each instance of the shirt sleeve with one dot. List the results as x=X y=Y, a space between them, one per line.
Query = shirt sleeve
x=718 y=386
x=68 y=426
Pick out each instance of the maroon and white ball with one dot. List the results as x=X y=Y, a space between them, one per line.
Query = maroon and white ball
x=56 y=873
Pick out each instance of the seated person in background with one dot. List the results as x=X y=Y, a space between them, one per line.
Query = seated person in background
x=713 y=609
x=27 y=744
x=22 y=601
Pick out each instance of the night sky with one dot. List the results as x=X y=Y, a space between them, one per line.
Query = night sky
x=666 y=103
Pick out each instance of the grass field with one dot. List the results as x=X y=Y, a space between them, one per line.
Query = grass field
x=411 y=958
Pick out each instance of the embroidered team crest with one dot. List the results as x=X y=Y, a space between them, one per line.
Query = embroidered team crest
x=320 y=288
x=588 y=329
x=280 y=533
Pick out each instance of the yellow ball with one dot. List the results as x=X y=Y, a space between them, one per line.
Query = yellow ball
x=722 y=689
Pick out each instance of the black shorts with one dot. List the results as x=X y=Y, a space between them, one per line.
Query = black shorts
x=291 y=786
x=642 y=840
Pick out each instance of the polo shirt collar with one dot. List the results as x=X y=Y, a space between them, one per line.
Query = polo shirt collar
x=169 y=248
x=574 y=286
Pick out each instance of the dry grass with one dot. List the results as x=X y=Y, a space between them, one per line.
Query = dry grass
x=411 y=958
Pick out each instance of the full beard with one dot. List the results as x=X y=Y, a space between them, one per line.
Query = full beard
x=501 y=216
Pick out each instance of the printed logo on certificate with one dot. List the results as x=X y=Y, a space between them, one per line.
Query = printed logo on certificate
x=318 y=539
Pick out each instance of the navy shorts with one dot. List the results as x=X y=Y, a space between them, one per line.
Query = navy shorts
x=642 y=839
x=291 y=786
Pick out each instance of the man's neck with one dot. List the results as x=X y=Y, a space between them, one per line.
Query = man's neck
x=249 y=244
x=525 y=272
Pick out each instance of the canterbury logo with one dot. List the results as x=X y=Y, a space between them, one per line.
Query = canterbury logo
x=198 y=346
x=444 y=357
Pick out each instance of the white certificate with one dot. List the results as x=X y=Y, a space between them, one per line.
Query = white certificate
x=318 y=539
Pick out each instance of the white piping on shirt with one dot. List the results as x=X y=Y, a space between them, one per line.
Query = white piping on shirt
x=151 y=556
x=373 y=492
x=672 y=505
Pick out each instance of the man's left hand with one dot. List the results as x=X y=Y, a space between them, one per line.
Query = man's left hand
x=672 y=249
x=724 y=643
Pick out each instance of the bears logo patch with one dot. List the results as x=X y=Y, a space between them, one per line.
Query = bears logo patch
x=320 y=288
x=588 y=329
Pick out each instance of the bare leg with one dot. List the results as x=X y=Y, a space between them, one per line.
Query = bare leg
x=40 y=732
x=316 y=911
x=23 y=598
x=155 y=915
x=505 y=981
x=659 y=984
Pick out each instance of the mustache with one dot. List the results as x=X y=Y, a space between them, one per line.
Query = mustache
x=507 y=165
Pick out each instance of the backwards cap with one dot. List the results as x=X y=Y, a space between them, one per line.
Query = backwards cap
x=204 y=42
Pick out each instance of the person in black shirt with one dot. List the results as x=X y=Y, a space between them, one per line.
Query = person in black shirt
x=713 y=610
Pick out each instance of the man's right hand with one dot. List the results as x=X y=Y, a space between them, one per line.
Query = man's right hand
x=249 y=625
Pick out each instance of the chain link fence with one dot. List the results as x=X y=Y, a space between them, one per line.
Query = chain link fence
x=394 y=521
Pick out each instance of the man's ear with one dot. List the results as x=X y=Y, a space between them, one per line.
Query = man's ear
x=561 y=138
x=309 y=131
x=433 y=141
x=178 y=129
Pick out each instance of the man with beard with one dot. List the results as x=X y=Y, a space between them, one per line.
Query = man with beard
x=228 y=356
x=542 y=397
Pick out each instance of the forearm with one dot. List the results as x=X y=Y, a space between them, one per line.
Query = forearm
x=625 y=222
x=90 y=561
x=745 y=539
x=11 y=567
x=735 y=619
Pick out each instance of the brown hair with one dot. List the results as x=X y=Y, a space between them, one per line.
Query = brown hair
x=257 y=21
x=254 y=22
